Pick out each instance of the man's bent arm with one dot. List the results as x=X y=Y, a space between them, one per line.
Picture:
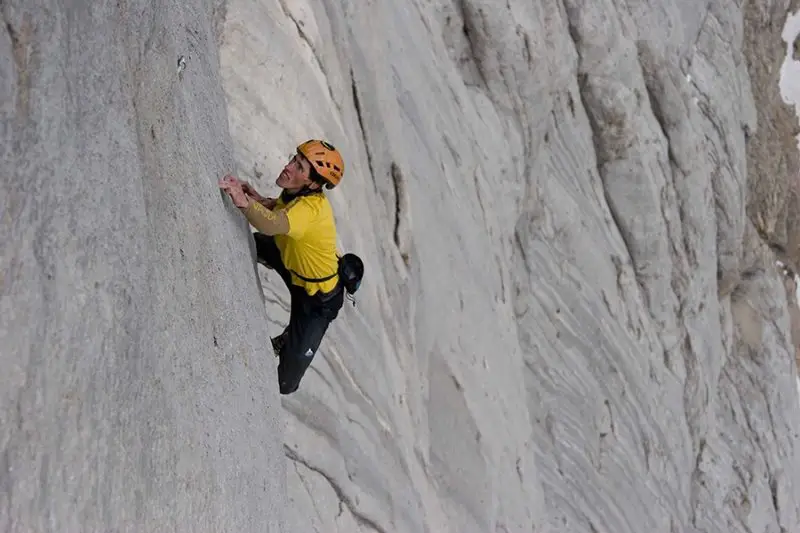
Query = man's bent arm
x=266 y=221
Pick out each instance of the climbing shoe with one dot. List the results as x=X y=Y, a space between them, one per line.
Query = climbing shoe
x=278 y=343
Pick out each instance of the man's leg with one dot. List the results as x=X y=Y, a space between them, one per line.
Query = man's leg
x=268 y=253
x=309 y=321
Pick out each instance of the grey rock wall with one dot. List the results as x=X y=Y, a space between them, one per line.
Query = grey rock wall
x=572 y=320
x=134 y=395
x=570 y=214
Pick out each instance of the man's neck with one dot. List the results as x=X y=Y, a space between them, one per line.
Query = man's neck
x=289 y=194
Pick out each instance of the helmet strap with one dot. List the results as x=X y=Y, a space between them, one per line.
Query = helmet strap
x=306 y=190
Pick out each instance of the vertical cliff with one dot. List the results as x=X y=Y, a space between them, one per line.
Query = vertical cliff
x=134 y=394
x=570 y=213
x=572 y=319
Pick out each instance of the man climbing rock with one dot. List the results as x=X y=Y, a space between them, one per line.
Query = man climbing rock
x=296 y=237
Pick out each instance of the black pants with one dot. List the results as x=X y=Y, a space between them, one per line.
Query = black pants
x=308 y=321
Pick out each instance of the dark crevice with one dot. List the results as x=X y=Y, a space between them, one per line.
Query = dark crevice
x=521 y=249
x=20 y=40
x=691 y=390
x=363 y=520
x=309 y=492
x=400 y=215
x=480 y=199
x=15 y=40
x=647 y=452
x=397 y=180
x=652 y=86
x=521 y=282
x=314 y=370
x=470 y=30
x=773 y=486
x=279 y=302
x=705 y=109
x=527 y=49
x=299 y=26
x=572 y=28
x=359 y=114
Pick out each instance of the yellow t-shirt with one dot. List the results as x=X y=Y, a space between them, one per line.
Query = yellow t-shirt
x=310 y=246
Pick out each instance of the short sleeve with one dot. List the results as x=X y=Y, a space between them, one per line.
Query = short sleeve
x=300 y=215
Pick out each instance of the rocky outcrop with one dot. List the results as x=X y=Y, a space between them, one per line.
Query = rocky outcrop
x=572 y=319
x=773 y=168
x=134 y=393
x=570 y=213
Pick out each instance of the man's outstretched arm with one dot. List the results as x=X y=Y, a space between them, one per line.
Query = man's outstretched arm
x=260 y=217
x=249 y=190
x=264 y=220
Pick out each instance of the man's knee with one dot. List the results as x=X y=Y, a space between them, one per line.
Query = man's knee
x=287 y=387
x=291 y=372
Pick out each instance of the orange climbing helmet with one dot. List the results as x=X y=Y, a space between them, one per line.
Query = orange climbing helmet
x=325 y=160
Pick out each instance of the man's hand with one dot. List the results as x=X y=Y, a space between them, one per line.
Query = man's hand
x=233 y=187
x=258 y=213
x=250 y=191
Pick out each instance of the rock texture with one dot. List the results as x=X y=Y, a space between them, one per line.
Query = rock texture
x=572 y=320
x=570 y=214
x=134 y=394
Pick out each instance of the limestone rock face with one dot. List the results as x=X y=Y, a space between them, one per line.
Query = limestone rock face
x=570 y=213
x=134 y=395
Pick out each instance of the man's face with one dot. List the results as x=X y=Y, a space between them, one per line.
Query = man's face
x=295 y=175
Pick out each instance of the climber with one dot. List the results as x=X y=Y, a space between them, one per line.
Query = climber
x=296 y=237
